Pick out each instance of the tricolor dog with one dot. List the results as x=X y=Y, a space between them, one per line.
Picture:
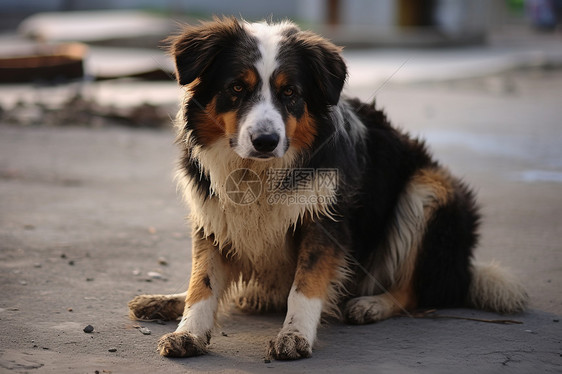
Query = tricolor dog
x=307 y=201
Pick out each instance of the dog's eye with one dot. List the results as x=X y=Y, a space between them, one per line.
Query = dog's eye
x=288 y=91
x=237 y=88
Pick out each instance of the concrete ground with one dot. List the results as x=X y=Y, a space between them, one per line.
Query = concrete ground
x=88 y=214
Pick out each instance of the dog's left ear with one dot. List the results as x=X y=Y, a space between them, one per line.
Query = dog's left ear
x=197 y=46
x=325 y=60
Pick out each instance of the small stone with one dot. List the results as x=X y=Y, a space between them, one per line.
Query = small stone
x=162 y=261
x=88 y=329
x=112 y=350
x=145 y=331
x=136 y=272
x=555 y=320
x=70 y=309
x=71 y=263
x=63 y=255
x=152 y=230
x=37 y=265
x=89 y=279
x=154 y=275
x=23 y=283
x=224 y=333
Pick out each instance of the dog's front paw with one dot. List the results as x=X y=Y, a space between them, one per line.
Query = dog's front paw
x=156 y=307
x=289 y=345
x=181 y=344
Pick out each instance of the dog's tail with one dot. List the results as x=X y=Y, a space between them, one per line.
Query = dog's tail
x=493 y=288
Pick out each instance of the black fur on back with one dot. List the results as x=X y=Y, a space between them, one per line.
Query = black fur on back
x=392 y=159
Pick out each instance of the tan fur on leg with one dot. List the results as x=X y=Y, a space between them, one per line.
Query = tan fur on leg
x=164 y=307
x=370 y=309
x=319 y=272
x=209 y=277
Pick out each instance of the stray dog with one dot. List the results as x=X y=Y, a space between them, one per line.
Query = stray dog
x=306 y=201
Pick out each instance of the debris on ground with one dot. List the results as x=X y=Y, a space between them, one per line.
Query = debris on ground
x=80 y=110
x=89 y=329
x=155 y=275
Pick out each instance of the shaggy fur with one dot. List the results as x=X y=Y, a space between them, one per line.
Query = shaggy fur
x=305 y=201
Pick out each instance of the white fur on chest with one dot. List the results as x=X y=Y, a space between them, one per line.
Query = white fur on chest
x=255 y=231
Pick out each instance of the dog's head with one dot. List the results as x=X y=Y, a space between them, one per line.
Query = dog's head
x=262 y=86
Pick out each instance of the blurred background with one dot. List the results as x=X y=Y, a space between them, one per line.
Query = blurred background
x=79 y=42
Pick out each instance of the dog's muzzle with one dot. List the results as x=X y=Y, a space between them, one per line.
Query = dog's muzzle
x=261 y=138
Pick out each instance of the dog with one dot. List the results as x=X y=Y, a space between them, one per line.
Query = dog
x=307 y=201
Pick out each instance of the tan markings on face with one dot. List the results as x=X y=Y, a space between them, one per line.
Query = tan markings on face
x=212 y=126
x=301 y=132
x=280 y=81
x=250 y=78
x=230 y=122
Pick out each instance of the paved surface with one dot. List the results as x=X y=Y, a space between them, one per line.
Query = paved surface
x=86 y=214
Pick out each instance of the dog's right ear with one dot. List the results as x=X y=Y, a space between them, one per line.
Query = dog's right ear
x=196 y=47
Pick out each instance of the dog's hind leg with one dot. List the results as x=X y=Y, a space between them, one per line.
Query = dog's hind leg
x=395 y=264
x=164 y=307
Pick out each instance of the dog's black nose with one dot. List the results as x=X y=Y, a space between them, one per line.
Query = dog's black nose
x=265 y=142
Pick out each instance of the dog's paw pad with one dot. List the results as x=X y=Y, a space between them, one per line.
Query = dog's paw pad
x=178 y=344
x=364 y=310
x=289 y=346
